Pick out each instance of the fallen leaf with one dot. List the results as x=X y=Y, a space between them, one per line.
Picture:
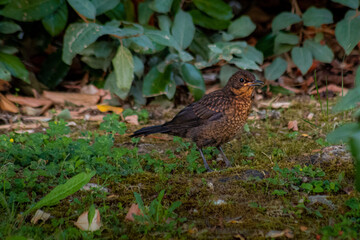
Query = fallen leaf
x=83 y=222
x=239 y=236
x=4 y=86
x=276 y=234
x=40 y=215
x=330 y=88
x=132 y=119
x=90 y=186
x=6 y=105
x=303 y=228
x=293 y=125
x=28 y=101
x=134 y=209
x=274 y=105
x=310 y=116
x=108 y=108
x=90 y=89
x=74 y=98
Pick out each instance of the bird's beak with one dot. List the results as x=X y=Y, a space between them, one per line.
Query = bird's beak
x=257 y=83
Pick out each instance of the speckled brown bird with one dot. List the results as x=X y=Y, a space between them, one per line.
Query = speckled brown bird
x=216 y=118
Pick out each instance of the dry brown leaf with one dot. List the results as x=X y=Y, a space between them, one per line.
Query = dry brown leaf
x=310 y=116
x=293 y=125
x=83 y=222
x=108 y=108
x=276 y=234
x=4 y=86
x=75 y=98
x=40 y=215
x=274 y=105
x=28 y=101
x=90 y=89
x=303 y=228
x=132 y=119
x=330 y=88
x=134 y=209
x=6 y=105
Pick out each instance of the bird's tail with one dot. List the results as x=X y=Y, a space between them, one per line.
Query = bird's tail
x=150 y=130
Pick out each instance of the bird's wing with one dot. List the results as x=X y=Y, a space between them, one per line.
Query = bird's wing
x=210 y=108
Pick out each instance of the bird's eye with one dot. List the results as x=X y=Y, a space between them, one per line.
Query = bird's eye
x=241 y=80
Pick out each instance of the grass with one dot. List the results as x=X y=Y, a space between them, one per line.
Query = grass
x=168 y=180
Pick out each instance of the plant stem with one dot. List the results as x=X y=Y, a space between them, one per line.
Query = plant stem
x=317 y=90
x=327 y=97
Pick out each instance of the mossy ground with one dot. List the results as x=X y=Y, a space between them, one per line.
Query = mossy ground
x=249 y=208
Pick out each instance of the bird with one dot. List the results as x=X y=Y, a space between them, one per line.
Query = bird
x=215 y=119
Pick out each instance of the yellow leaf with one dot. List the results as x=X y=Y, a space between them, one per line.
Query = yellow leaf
x=107 y=108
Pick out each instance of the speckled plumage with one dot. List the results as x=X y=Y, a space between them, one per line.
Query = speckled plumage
x=216 y=118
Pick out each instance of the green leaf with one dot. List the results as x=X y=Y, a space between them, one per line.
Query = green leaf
x=83 y=7
x=53 y=70
x=215 y=8
x=266 y=44
x=117 y=13
x=342 y=133
x=253 y=54
x=244 y=63
x=62 y=191
x=284 y=20
x=302 y=58
x=100 y=49
x=275 y=69
x=185 y=56
x=14 y=66
x=138 y=67
x=9 y=27
x=183 y=29
x=155 y=82
x=320 y=52
x=226 y=72
x=349 y=101
x=4 y=73
x=194 y=80
x=357 y=78
x=354 y=4
x=241 y=27
x=103 y=6
x=347 y=32
x=144 y=13
x=286 y=38
x=354 y=144
x=317 y=16
x=28 y=11
x=144 y=45
x=124 y=69
x=129 y=10
x=161 y=6
x=91 y=214
x=56 y=22
x=200 y=45
x=163 y=38
x=207 y=22
x=164 y=23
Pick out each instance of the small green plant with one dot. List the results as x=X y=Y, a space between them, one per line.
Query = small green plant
x=112 y=124
x=157 y=218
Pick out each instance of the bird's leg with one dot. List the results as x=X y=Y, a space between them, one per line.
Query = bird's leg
x=205 y=162
x=227 y=162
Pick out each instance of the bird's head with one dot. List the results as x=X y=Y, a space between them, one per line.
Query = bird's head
x=242 y=83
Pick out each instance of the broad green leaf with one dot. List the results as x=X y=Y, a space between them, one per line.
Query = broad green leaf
x=194 y=80
x=250 y=52
x=14 y=66
x=117 y=13
x=144 y=45
x=354 y=144
x=79 y=36
x=226 y=50
x=185 y=56
x=207 y=22
x=286 y=38
x=9 y=49
x=349 y=101
x=342 y=133
x=183 y=29
x=284 y=20
x=302 y=58
x=275 y=69
x=155 y=82
x=53 y=70
x=215 y=8
x=163 y=38
x=354 y=4
x=124 y=69
x=347 y=32
x=97 y=62
x=164 y=23
x=110 y=84
x=200 y=45
x=241 y=27
x=9 y=27
x=144 y=13
x=161 y=6
x=138 y=66
x=100 y=49
x=62 y=191
x=28 y=11
x=244 y=63
x=282 y=48
x=56 y=22
x=4 y=73
x=103 y=6
x=91 y=214
x=226 y=72
x=83 y=7
x=357 y=78
x=266 y=44
x=129 y=10
x=320 y=52
x=317 y=16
